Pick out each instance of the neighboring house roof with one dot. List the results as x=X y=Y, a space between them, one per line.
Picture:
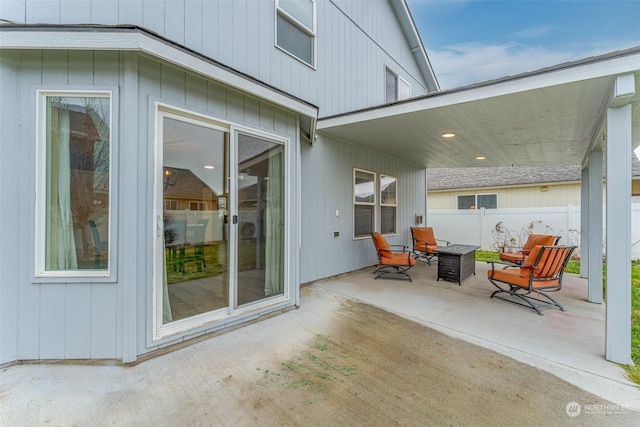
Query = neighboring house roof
x=458 y=178
x=184 y=184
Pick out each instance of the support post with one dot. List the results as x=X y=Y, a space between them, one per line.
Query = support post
x=584 y=222
x=618 y=285
x=595 y=240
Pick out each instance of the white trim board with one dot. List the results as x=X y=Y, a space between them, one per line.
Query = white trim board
x=135 y=39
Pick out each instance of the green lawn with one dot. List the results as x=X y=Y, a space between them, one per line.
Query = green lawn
x=574 y=267
x=186 y=265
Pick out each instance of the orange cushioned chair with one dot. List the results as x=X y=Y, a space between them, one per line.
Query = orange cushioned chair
x=425 y=245
x=540 y=272
x=392 y=264
x=533 y=240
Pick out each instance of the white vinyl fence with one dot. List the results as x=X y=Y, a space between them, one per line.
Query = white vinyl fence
x=492 y=229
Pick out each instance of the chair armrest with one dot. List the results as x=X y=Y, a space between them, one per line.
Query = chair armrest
x=506 y=265
x=512 y=249
x=446 y=242
x=404 y=248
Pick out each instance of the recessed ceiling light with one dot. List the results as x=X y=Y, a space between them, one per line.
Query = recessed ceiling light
x=209 y=167
x=481 y=158
x=448 y=135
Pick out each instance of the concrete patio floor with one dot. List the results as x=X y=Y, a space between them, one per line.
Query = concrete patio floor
x=358 y=351
x=567 y=344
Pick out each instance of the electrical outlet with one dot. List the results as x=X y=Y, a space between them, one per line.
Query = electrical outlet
x=336 y=233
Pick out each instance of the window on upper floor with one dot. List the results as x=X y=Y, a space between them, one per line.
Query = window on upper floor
x=396 y=88
x=477 y=201
x=296 y=29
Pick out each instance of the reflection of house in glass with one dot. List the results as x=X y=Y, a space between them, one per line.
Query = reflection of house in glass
x=78 y=186
x=183 y=190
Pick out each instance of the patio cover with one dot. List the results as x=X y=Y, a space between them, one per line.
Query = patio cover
x=552 y=116
x=584 y=112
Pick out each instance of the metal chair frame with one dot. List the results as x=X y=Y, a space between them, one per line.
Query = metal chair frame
x=545 y=265
x=397 y=270
x=425 y=256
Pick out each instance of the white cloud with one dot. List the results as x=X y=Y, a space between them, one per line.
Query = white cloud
x=467 y=63
x=534 y=32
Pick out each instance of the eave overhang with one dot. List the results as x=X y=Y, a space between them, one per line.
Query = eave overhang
x=137 y=39
x=551 y=116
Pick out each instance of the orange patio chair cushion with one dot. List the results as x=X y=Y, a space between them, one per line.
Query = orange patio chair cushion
x=425 y=240
x=401 y=259
x=514 y=276
x=532 y=241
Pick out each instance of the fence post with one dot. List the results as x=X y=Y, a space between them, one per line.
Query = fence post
x=570 y=222
x=483 y=226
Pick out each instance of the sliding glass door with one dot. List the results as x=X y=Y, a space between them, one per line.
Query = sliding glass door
x=221 y=214
x=195 y=235
x=261 y=219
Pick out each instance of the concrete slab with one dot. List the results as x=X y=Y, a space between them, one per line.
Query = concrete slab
x=339 y=360
x=567 y=344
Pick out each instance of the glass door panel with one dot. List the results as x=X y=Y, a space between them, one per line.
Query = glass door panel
x=195 y=199
x=261 y=207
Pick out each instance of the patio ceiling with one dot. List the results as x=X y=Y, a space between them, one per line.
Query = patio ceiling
x=552 y=116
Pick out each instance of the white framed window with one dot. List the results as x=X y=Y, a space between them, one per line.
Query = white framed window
x=296 y=29
x=364 y=203
x=396 y=88
x=477 y=201
x=388 y=204
x=74 y=189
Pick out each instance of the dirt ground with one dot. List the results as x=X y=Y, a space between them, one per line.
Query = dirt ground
x=362 y=367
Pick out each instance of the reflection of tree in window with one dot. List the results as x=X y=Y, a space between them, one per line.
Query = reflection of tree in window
x=88 y=168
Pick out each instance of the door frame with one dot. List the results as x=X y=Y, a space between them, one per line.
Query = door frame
x=161 y=333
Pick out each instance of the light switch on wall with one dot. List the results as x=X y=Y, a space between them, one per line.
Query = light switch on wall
x=337 y=212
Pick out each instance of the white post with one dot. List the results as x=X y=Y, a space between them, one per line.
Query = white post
x=569 y=221
x=483 y=228
x=594 y=245
x=618 y=220
x=584 y=222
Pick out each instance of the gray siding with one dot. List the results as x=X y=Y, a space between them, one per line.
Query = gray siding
x=52 y=320
x=241 y=34
x=327 y=180
x=84 y=320
x=10 y=201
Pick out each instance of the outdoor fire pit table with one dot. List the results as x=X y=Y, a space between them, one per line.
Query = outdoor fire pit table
x=456 y=262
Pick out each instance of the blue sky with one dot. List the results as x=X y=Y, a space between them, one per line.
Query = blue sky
x=470 y=41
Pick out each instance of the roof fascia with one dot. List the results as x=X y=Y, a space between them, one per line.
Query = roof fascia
x=584 y=70
x=140 y=40
x=410 y=30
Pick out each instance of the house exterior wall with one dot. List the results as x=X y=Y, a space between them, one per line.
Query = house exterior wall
x=513 y=197
x=327 y=182
x=241 y=34
x=112 y=319
x=54 y=319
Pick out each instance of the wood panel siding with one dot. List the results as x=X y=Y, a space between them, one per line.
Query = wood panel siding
x=51 y=320
x=327 y=177
x=77 y=319
x=12 y=198
x=241 y=34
